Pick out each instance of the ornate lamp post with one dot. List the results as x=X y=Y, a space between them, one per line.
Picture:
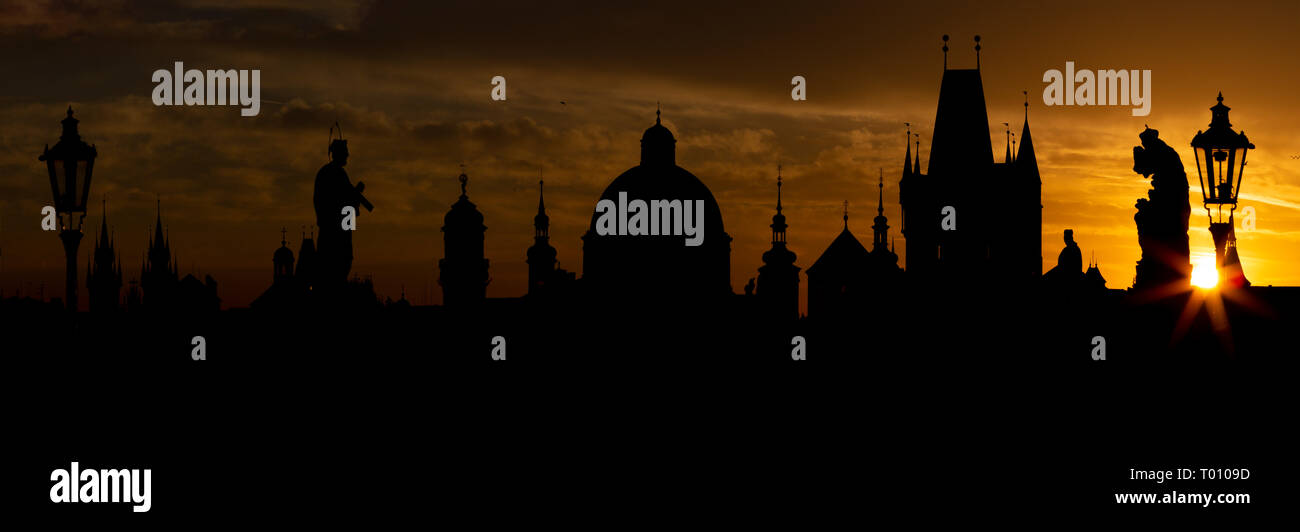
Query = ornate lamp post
x=1220 y=162
x=71 y=163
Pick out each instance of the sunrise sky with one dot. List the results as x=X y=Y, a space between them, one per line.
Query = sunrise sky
x=409 y=81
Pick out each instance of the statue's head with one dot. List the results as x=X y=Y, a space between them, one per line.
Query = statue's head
x=1069 y=236
x=339 y=151
x=1149 y=137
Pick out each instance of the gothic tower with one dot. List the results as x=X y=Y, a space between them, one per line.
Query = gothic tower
x=463 y=271
x=159 y=276
x=778 y=278
x=104 y=280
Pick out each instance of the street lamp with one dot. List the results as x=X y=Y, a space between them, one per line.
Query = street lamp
x=1220 y=162
x=71 y=163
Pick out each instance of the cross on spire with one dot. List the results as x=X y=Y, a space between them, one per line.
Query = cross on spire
x=778 y=188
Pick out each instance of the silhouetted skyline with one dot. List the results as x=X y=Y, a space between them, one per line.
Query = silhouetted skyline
x=413 y=118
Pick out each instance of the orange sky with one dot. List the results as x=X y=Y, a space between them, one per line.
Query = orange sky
x=410 y=84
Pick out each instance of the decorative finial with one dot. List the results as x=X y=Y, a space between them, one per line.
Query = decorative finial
x=1026 y=104
x=778 y=188
x=880 y=206
x=70 y=106
x=464 y=180
x=1220 y=101
x=977 y=52
x=846 y=214
x=945 y=51
x=657 y=111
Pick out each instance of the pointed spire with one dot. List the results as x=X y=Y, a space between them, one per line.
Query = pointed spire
x=880 y=238
x=541 y=222
x=880 y=200
x=917 y=170
x=1026 y=161
x=1013 y=147
x=158 y=237
x=103 y=224
x=907 y=159
x=541 y=184
x=778 y=188
x=778 y=220
x=1007 y=158
x=977 y=52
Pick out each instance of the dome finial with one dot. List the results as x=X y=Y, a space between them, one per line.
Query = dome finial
x=778 y=188
x=464 y=180
x=945 y=51
x=977 y=52
x=658 y=109
x=846 y=214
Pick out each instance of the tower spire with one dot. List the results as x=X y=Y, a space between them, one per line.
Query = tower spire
x=907 y=159
x=977 y=52
x=917 y=169
x=541 y=222
x=1007 y=158
x=778 y=188
x=778 y=220
x=880 y=240
x=880 y=198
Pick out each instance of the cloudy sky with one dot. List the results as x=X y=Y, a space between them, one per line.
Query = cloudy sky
x=410 y=83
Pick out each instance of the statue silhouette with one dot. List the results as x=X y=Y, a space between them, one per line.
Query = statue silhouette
x=1162 y=217
x=1069 y=264
x=334 y=191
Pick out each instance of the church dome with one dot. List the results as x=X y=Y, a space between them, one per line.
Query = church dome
x=284 y=254
x=663 y=261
